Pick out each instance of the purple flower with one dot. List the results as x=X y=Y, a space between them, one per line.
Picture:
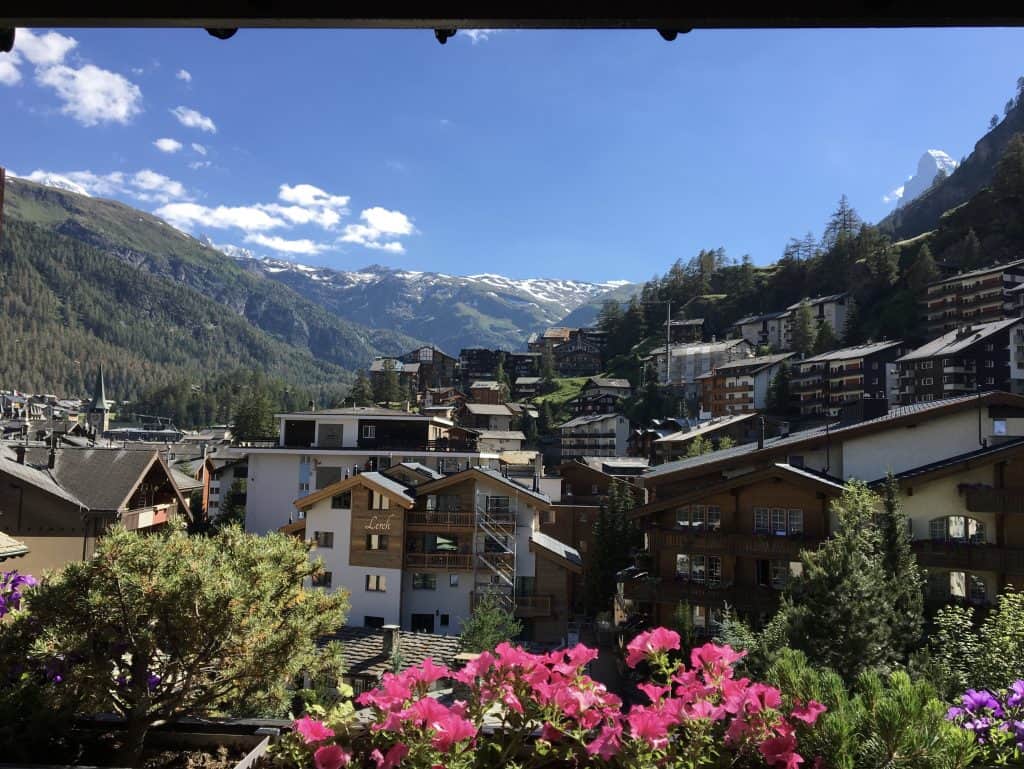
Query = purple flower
x=975 y=701
x=954 y=713
x=152 y=681
x=1016 y=694
x=122 y=682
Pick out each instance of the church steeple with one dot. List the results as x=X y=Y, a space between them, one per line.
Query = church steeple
x=99 y=414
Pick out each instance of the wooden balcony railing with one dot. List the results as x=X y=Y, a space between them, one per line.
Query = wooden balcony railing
x=995 y=500
x=437 y=519
x=959 y=555
x=440 y=561
x=146 y=517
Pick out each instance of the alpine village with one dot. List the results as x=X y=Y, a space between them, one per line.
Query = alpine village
x=739 y=515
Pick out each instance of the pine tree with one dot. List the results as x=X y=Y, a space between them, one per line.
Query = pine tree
x=906 y=584
x=825 y=338
x=1008 y=108
x=255 y=416
x=528 y=425
x=545 y=419
x=803 y=334
x=845 y=221
x=615 y=538
x=993 y=122
x=501 y=377
x=362 y=390
x=547 y=364
x=778 y=399
x=922 y=271
x=838 y=610
x=853 y=327
x=488 y=625
x=1009 y=176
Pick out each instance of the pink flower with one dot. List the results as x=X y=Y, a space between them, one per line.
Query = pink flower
x=450 y=730
x=808 y=713
x=608 y=743
x=779 y=751
x=653 y=641
x=312 y=730
x=650 y=725
x=653 y=691
x=428 y=672
x=393 y=758
x=714 y=656
x=761 y=696
x=331 y=757
x=550 y=733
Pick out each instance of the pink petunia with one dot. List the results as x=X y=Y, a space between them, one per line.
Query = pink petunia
x=312 y=730
x=331 y=757
x=451 y=730
x=780 y=751
x=608 y=743
x=428 y=672
x=651 y=642
x=649 y=725
x=394 y=756
x=712 y=655
x=808 y=713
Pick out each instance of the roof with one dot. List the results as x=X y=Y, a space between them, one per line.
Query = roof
x=977 y=273
x=951 y=464
x=757 y=364
x=518 y=457
x=819 y=481
x=587 y=419
x=10 y=547
x=363 y=650
x=816 y=300
x=547 y=546
x=41 y=479
x=957 y=340
x=102 y=478
x=758 y=318
x=527 y=380
x=700 y=347
x=599 y=381
x=185 y=482
x=712 y=425
x=897 y=416
x=422 y=469
x=99 y=395
x=398 y=366
x=686 y=322
x=394 y=490
x=485 y=384
x=488 y=473
x=488 y=409
x=502 y=435
x=353 y=411
x=856 y=351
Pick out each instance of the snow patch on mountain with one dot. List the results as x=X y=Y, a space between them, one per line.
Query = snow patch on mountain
x=932 y=164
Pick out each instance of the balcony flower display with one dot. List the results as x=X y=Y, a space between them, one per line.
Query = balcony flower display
x=997 y=721
x=539 y=710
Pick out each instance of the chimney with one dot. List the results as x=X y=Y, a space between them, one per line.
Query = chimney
x=760 y=432
x=52 y=459
x=20 y=452
x=391 y=639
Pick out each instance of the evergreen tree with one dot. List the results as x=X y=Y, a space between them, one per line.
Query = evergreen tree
x=922 y=271
x=488 y=625
x=528 y=425
x=545 y=419
x=547 y=364
x=501 y=377
x=845 y=221
x=903 y=576
x=392 y=383
x=1008 y=108
x=993 y=122
x=838 y=610
x=615 y=538
x=803 y=334
x=778 y=401
x=1009 y=175
x=232 y=508
x=970 y=249
x=853 y=327
x=362 y=390
x=255 y=416
x=825 y=338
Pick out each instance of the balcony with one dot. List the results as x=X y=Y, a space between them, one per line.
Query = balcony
x=147 y=517
x=736 y=543
x=436 y=520
x=959 y=555
x=673 y=590
x=995 y=500
x=439 y=561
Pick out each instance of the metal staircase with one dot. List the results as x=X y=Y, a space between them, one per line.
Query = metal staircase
x=494 y=567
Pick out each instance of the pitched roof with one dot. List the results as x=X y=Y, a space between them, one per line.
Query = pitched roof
x=394 y=490
x=545 y=545
x=758 y=318
x=102 y=478
x=363 y=650
x=956 y=340
x=897 y=416
x=485 y=384
x=696 y=348
x=488 y=409
x=527 y=380
x=856 y=351
x=755 y=364
x=977 y=273
x=599 y=381
x=487 y=472
x=703 y=428
x=185 y=482
x=816 y=300
x=422 y=469
x=381 y=364
x=99 y=395
x=587 y=419
x=10 y=547
x=502 y=435
x=41 y=479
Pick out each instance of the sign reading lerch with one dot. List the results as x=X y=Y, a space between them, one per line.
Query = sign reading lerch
x=380 y=523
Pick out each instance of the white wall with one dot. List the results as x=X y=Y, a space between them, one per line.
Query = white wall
x=353 y=578
x=272 y=486
x=453 y=601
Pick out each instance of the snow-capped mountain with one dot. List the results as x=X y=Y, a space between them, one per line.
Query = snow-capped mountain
x=931 y=164
x=452 y=311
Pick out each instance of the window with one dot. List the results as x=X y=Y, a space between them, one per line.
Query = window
x=322 y=580
x=999 y=427
x=376 y=583
x=779 y=574
x=497 y=504
x=424 y=581
x=376 y=541
x=796 y=521
x=761 y=520
x=697 y=517
x=697 y=569
x=445 y=620
x=714 y=571
x=369 y=431
x=714 y=517
x=990 y=380
x=978 y=593
x=778 y=527
x=323 y=538
x=547 y=517
x=369 y=621
x=990 y=364
x=989 y=347
x=342 y=501
x=927 y=380
x=453 y=580
x=304 y=488
x=683 y=565
x=377 y=501
x=925 y=364
x=683 y=517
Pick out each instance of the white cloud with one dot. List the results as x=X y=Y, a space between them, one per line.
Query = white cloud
x=145 y=185
x=190 y=118
x=152 y=186
x=197 y=164
x=43 y=50
x=302 y=246
x=307 y=195
x=478 y=35
x=138 y=71
x=198 y=148
x=380 y=224
x=167 y=145
x=184 y=74
x=9 y=72
x=248 y=218
x=92 y=95
x=893 y=196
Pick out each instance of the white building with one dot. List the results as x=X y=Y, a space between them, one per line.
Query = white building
x=689 y=361
x=318 y=448
x=595 y=435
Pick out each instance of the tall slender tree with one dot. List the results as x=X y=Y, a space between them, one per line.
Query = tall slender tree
x=904 y=578
x=804 y=333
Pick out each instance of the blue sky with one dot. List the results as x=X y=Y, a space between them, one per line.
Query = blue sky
x=592 y=155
